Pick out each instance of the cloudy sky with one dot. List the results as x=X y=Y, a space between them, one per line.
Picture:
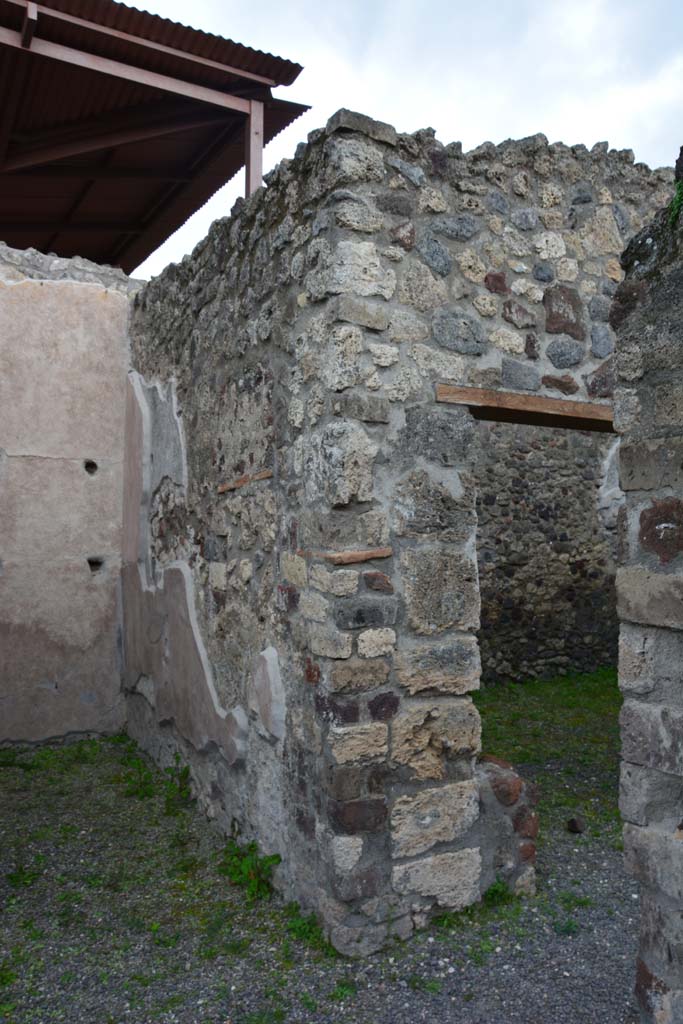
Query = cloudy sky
x=576 y=70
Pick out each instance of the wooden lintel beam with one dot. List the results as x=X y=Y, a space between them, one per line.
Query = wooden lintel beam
x=190 y=58
x=514 y=407
x=129 y=72
x=28 y=29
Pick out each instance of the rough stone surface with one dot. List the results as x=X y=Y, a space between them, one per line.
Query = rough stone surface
x=648 y=315
x=433 y=816
x=281 y=421
x=426 y=735
x=546 y=551
x=453 y=604
x=452 y=879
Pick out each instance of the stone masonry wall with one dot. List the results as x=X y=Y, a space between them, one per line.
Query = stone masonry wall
x=648 y=313
x=547 y=504
x=300 y=584
x=63 y=361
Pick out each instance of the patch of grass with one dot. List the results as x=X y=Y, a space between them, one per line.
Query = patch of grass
x=481 y=950
x=563 y=733
x=276 y=1016
x=308 y=1002
x=419 y=984
x=67 y=757
x=177 y=788
x=162 y=937
x=498 y=904
x=306 y=929
x=571 y=901
x=138 y=779
x=567 y=927
x=345 y=988
x=33 y=932
x=7 y=974
x=244 y=866
x=23 y=876
x=498 y=895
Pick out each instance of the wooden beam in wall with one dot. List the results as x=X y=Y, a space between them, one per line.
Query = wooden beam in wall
x=513 y=407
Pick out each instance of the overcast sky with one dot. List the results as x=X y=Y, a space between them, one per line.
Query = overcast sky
x=576 y=70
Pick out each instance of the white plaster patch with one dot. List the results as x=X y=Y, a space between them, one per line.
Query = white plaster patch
x=266 y=695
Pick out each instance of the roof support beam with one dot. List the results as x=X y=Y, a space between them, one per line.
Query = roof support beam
x=147 y=44
x=85 y=227
x=80 y=171
x=65 y=54
x=254 y=147
x=12 y=89
x=28 y=29
x=105 y=140
x=131 y=252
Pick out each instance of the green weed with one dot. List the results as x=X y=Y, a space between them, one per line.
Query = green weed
x=243 y=866
x=177 y=788
x=276 y=1016
x=498 y=895
x=676 y=204
x=344 y=989
x=307 y=929
x=161 y=937
x=567 y=927
x=570 y=901
x=7 y=974
x=419 y=984
x=22 y=876
x=138 y=779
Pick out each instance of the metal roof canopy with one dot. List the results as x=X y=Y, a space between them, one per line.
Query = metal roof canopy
x=116 y=125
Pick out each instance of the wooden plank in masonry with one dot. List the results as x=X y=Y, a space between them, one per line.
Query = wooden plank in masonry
x=242 y=481
x=348 y=557
x=513 y=407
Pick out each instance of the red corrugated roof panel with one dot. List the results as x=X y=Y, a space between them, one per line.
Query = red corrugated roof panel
x=97 y=165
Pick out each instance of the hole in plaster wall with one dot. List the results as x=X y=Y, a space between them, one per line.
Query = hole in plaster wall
x=96 y=564
x=90 y=467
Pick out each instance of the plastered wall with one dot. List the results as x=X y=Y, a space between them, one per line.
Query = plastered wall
x=63 y=362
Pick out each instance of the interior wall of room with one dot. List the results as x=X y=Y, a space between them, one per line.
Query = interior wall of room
x=63 y=363
x=547 y=507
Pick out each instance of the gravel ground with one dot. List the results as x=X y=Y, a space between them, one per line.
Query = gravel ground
x=113 y=910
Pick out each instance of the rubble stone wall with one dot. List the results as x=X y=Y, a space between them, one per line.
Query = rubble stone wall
x=300 y=583
x=547 y=505
x=63 y=362
x=648 y=313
